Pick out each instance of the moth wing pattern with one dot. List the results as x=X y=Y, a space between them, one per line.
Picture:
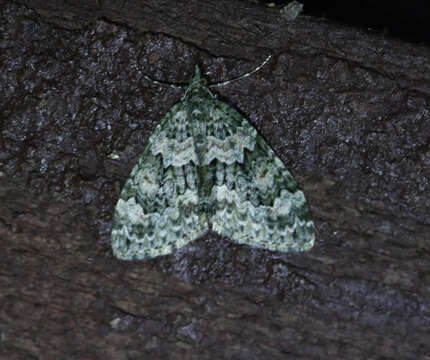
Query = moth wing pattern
x=206 y=166
x=159 y=207
x=257 y=200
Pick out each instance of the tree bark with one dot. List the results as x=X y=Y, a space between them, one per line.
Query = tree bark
x=347 y=112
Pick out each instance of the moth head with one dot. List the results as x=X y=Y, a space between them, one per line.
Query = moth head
x=198 y=86
x=198 y=79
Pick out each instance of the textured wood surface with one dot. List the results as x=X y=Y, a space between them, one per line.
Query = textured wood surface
x=346 y=111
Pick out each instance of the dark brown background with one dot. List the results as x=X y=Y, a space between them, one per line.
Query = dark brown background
x=348 y=112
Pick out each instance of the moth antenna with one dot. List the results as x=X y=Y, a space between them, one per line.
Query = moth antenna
x=183 y=86
x=174 y=86
x=240 y=77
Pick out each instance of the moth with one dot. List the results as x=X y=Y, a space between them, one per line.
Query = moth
x=206 y=168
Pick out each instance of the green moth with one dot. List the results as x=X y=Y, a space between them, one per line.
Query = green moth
x=206 y=168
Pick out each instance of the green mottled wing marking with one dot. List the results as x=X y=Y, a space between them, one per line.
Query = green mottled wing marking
x=159 y=208
x=256 y=198
x=206 y=165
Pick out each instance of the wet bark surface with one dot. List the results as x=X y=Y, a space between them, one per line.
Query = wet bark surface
x=345 y=110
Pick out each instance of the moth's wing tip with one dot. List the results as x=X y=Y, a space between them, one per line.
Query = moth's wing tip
x=129 y=248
